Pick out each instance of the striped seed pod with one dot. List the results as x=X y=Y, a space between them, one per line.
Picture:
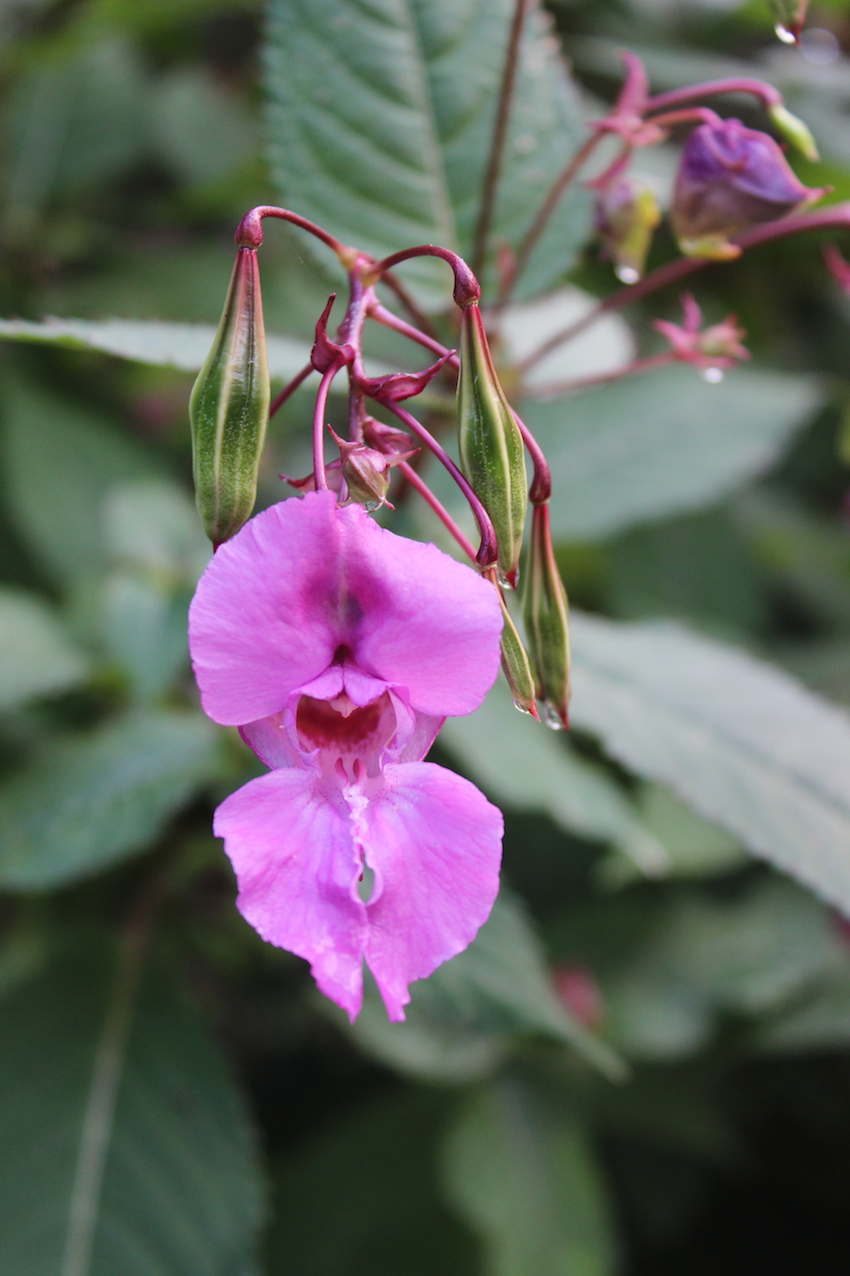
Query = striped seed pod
x=546 y=618
x=516 y=665
x=491 y=448
x=229 y=407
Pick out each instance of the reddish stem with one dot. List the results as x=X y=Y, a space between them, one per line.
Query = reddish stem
x=290 y=388
x=249 y=232
x=702 y=113
x=637 y=366
x=319 y=475
x=417 y=315
x=466 y=290
x=488 y=551
x=541 y=486
x=386 y=317
x=439 y=509
x=766 y=93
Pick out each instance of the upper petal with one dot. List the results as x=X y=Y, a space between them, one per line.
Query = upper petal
x=305 y=578
x=297 y=867
x=435 y=845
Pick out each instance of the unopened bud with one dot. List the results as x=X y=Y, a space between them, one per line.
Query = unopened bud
x=546 y=618
x=491 y=448
x=367 y=474
x=795 y=131
x=625 y=215
x=730 y=178
x=229 y=407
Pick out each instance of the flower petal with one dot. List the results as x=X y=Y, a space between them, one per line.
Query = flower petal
x=435 y=845
x=305 y=578
x=297 y=867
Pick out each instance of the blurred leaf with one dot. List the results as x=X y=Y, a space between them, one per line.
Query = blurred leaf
x=153 y=526
x=459 y=1018
x=819 y=1021
x=203 y=131
x=748 y=747
x=172 y=345
x=125 y=1145
x=659 y=444
x=145 y=631
x=519 y=1168
x=518 y=763
x=37 y=658
x=60 y=461
x=381 y=122
x=360 y=1197
x=84 y=803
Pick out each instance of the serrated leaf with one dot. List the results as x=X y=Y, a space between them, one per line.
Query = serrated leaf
x=381 y=118
x=125 y=1145
x=86 y=802
x=660 y=444
x=184 y=346
x=520 y=1170
x=37 y=657
x=743 y=743
x=517 y=762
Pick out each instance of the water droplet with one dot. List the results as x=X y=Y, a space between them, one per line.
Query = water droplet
x=551 y=717
x=786 y=36
x=713 y=375
x=627 y=274
x=522 y=708
x=503 y=580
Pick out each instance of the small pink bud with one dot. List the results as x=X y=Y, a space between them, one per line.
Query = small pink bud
x=581 y=995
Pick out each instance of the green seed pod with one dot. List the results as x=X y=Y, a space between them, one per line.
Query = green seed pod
x=491 y=448
x=516 y=665
x=795 y=131
x=546 y=618
x=229 y=407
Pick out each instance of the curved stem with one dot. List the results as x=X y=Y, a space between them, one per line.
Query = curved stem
x=319 y=475
x=249 y=232
x=488 y=551
x=417 y=315
x=467 y=289
x=541 y=486
x=836 y=216
x=546 y=210
x=290 y=388
x=766 y=93
x=686 y=116
x=439 y=509
x=386 y=317
x=497 y=146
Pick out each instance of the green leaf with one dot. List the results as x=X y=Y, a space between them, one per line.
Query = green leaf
x=169 y=345
x=126 y=1147
x=89 y=801
x=60 y=461
x=656 y=445
x=743 y=743
x=519 y=763
x=37 y=658
x=519 y=1169
x=381 y=119
x=145 y=631
x=361 y=1197
x=460 y=1018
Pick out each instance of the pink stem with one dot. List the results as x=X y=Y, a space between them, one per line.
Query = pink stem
x=249 y=232
x=702 y=113
x=467 y=289
x=541 y=486
x=834 y=217
x=319 y=475
x=386 y=317
x=488 y=551
x=439 y=509
x=766 y=93
x=417 y=315
x=289 y=389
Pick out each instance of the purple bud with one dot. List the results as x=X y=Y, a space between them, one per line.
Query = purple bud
x=730 y=178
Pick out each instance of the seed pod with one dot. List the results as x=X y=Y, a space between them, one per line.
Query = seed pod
x=795 y=131
x=546 y=617
x=626 y=214
x=491 y=448
x=229 y=407
x=516 y=665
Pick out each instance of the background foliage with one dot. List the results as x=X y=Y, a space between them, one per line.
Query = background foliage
x=641 y=1064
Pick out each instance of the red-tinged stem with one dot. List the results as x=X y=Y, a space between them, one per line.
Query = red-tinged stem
x=488 y=551
x=386 y=317
x=541 y=485
x=249 y=232
x=466 y=290
x=686 y=116
x=836 y=216
x=766 y=93
x=417 y=315
x=319 y=475
x=439 y=509
x=497 y=146
x=290 y=388
x=547 y=208
x=632 y=369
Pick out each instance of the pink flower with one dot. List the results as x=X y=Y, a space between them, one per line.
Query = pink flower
x=339 y=649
